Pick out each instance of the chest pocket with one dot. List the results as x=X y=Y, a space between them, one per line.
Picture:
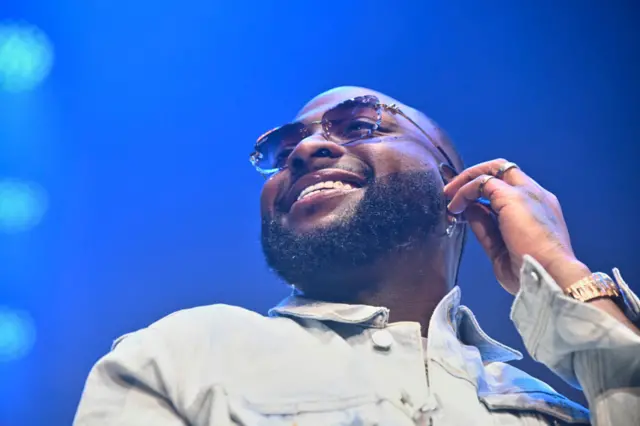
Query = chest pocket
x=327 y=389
x=553 y=406
x=307 y=404
x=363 y=411
x=510 y=390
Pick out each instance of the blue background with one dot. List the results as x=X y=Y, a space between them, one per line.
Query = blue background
x=141 y=134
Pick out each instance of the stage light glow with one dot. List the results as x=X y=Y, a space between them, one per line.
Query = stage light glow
x=26 y=56
x=17 y=334
x=22 y=205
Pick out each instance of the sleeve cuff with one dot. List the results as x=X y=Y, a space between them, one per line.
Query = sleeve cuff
x=630 y=302
x=554 y=326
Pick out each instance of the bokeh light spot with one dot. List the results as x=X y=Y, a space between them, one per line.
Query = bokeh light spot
x=22 y=205
x=17 y=334
x=26 y=56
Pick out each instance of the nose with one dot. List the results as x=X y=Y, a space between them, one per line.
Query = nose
x=314 y=153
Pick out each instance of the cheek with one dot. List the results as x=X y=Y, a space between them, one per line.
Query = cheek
x=401 y=157
x=265 y=204
x=268 y=196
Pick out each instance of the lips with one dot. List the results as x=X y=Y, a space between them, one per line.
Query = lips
x=313 y=178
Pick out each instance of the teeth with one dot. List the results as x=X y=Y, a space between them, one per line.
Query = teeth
x=324 y=185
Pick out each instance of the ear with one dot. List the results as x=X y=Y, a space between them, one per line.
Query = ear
x=447 y=172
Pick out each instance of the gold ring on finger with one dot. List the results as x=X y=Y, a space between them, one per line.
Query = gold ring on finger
x=483 y=182
x=506 y=167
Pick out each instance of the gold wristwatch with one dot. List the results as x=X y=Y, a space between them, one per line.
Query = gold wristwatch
x=595 y=286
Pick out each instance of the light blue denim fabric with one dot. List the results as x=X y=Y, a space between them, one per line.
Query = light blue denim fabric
x=315 y=363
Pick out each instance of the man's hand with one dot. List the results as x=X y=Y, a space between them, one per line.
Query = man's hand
x=526 y=219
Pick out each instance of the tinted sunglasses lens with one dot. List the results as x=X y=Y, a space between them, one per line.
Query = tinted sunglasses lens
x=276 y=145
x=352 y=120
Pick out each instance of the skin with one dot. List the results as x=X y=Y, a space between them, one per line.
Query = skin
x=529 y=221
x=411 y=282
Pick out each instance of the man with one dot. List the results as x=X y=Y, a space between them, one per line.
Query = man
x=364 y=213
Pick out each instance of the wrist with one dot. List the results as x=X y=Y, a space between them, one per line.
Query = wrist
x=566 y=272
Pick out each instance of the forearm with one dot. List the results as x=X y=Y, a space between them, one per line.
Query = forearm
x=594 y=346
x=566 y=273
x=608 y=306
x=609 y=380
x=606 y=376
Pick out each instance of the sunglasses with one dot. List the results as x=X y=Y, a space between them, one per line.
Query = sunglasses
x=350 y=121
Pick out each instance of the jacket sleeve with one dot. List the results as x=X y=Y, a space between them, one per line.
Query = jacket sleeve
x=131 y=385
x=582 y=344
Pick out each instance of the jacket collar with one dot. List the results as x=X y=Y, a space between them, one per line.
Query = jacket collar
x=450 y=322
x=301 y=307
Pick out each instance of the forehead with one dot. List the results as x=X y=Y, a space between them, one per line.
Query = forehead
x=318 y=105
x=314 y=109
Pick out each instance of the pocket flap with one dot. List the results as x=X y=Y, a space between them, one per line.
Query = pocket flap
x=292 y=407
x=550 y=404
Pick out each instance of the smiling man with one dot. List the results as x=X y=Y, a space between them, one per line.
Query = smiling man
x=364 y=213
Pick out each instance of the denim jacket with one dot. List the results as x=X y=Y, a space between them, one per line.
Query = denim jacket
x=316 y=363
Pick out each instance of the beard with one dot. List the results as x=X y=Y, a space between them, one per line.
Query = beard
x=398 y=212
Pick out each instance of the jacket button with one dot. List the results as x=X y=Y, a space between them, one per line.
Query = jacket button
x=405 y=398
x=382 y=339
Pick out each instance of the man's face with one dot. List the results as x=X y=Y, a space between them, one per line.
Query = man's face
x=371 y=198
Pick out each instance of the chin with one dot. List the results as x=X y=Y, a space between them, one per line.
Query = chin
x=317 y=223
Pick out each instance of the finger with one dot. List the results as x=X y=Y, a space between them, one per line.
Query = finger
x=513 y=176
x=484 y=225
x=485 y=186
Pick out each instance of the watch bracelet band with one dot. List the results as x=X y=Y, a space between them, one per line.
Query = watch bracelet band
x=595 y=286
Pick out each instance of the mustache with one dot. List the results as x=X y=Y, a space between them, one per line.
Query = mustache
x=359 y=170
x=285 y=184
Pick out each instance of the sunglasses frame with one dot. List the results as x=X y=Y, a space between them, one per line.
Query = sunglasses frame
x=366 y=100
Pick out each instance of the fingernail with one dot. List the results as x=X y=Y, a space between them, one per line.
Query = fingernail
x=453 y=212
